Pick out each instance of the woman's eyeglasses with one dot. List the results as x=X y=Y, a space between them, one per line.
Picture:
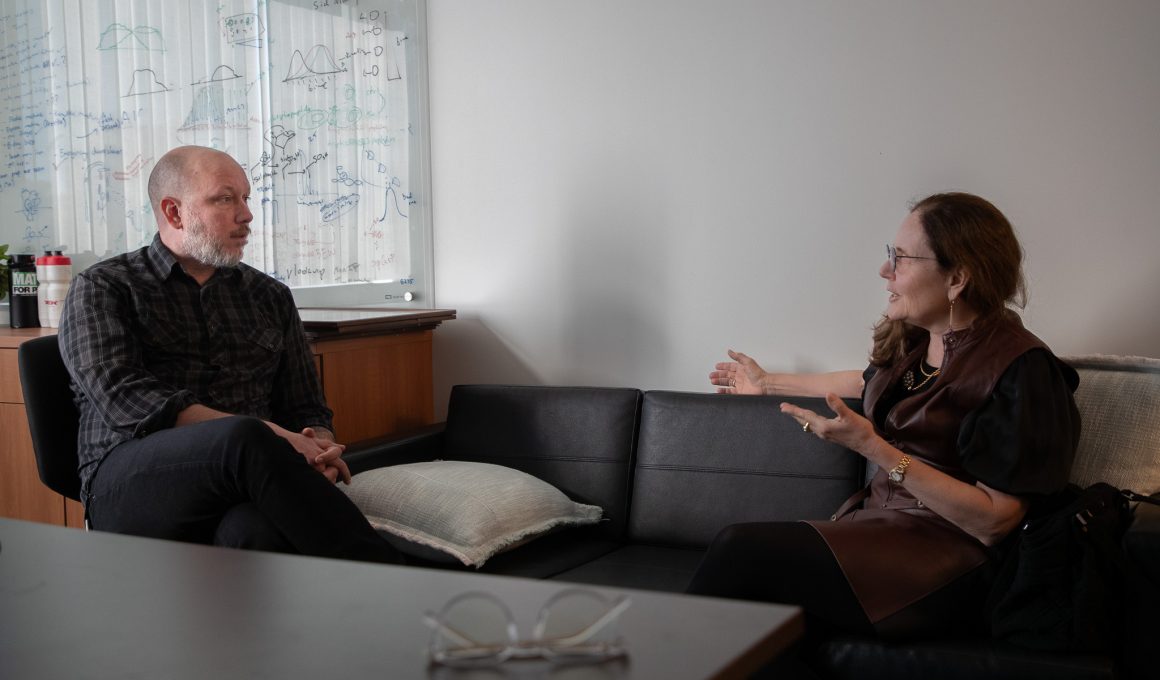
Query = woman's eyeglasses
x=477 y=629
x=893 y=257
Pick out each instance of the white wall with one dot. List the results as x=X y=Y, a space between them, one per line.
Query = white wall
x=624 y=189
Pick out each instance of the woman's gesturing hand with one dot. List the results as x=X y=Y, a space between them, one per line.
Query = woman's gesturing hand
x=846 y=428
x=741 y=376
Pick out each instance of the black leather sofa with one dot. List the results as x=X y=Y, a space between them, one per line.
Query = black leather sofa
x=670 y=470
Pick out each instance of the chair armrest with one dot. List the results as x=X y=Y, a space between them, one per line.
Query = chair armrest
x=413 y=446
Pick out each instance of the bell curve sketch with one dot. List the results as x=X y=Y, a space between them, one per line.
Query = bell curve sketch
x=121 y=37
x=220 y=75
x=319 y=61
x=145 y=82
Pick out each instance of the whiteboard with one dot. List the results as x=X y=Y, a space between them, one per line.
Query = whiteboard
x=323 y=103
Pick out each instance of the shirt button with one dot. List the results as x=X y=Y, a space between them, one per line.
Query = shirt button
x=920 y=504
x=884 y=505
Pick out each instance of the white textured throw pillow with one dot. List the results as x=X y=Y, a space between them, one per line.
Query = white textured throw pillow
x=470 y=511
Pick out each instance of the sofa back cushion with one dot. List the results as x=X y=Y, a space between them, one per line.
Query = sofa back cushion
x=705 y=461
x=1119 y=405
x=578 y=439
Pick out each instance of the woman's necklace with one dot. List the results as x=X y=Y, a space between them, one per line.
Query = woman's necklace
x=908 y=378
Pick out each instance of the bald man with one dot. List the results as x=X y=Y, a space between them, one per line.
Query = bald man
x=202 y=418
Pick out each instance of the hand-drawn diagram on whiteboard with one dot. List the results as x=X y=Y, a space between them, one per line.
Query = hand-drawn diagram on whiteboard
x=216 y=105
x=145 y=82
x=121 y=37
x=32 y=206
x=244 y=29
x=314 y=98
x=313 y=68
x=220 y=75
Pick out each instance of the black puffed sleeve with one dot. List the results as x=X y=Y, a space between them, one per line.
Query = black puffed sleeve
x=1022 y=440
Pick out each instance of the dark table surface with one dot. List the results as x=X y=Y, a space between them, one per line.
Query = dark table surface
x=76 y=604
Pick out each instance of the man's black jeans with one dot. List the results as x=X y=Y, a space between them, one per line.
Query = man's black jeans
x=231 y=482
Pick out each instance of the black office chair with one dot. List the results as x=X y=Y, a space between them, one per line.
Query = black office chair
x=53 y=418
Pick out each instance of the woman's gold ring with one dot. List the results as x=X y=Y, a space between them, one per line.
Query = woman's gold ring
x=806 y=427
x=733 y=382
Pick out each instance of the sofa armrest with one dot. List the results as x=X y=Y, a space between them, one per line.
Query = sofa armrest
x=1142 y=540
x=413 y=446
x=1142 y=593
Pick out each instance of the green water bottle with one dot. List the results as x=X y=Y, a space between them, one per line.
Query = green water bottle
x=23 y=307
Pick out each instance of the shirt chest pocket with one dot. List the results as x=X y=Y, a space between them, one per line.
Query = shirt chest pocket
x=256 y=355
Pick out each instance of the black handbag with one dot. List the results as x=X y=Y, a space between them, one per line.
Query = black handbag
x=1061 y=586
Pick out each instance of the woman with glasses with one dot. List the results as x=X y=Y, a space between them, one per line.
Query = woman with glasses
x=968 y=417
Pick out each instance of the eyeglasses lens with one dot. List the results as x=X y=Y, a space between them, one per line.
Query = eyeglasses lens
x=474 y=628
x=579 y=623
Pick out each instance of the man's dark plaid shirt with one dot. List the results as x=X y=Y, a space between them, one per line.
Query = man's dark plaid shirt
x=143 y=341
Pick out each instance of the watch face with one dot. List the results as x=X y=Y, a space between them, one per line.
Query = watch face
x=895 y=476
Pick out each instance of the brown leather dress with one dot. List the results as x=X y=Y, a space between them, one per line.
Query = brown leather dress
x=892 y=549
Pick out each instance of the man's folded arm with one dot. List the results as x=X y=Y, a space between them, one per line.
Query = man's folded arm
x=105 y=361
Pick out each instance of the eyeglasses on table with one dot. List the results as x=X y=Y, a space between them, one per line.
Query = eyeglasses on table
x=477 y=628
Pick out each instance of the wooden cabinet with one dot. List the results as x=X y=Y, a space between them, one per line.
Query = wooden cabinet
x=376 y=378
x=376 y=385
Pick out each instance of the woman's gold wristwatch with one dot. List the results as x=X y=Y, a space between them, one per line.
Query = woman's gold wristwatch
x=898 y=474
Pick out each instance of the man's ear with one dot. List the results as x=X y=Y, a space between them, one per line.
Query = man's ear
x=171 y=209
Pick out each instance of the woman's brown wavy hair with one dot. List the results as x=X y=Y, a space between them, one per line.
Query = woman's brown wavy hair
x=968 y=231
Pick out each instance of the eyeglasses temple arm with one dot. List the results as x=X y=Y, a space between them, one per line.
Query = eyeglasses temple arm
x=596 y=625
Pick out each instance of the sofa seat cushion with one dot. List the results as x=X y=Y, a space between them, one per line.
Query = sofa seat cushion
x=463 y=510
x=645 y=567
x=863 y=659
x=545 y=557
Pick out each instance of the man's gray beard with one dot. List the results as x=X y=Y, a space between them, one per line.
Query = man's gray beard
x=201 y=247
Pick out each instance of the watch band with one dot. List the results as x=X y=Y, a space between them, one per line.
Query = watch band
x=898 y=474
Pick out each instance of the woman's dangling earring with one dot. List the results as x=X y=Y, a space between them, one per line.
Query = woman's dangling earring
x=951 y=320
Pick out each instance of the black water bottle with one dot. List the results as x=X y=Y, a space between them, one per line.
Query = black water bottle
x=23 y=309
